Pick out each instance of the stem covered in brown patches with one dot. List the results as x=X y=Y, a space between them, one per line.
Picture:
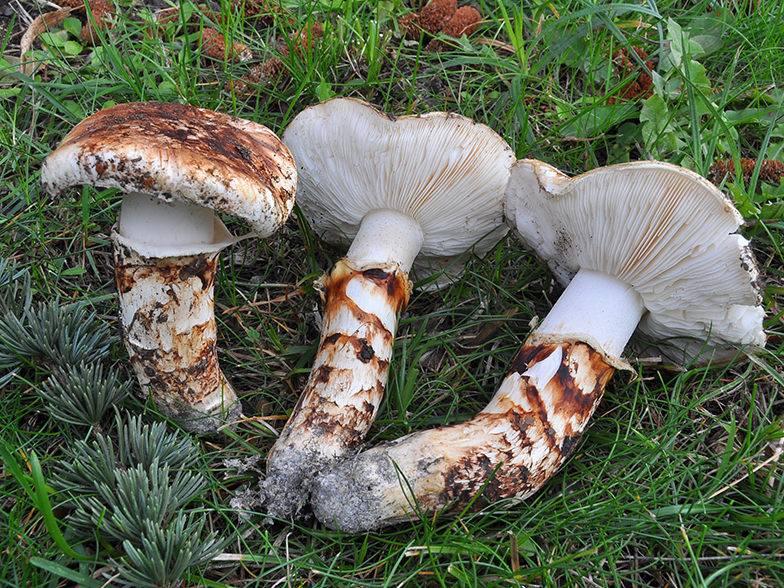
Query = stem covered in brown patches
x=509 y=450
x=168 y=326
x=347 y=380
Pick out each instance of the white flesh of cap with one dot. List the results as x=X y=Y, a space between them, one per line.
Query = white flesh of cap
x=387 y=236
x=149 y=220
x=597 y=309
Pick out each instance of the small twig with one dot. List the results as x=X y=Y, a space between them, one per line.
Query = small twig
x=23 y=14
x=38 y=26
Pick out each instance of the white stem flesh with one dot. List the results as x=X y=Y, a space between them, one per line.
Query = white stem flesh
x=598 y=309
x=387 y=236
x=148 y=219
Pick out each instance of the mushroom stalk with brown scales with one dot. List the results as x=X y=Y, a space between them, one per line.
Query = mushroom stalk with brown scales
x=411 y=192
x=176 y=165
x=645 y=247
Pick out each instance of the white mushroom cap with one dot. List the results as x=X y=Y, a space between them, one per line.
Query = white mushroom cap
x=664 y=230
x=180 y=153
x=444 y=170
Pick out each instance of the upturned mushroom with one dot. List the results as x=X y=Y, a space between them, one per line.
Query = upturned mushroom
x=176 y=165
x=645 y=246
x=413 y=191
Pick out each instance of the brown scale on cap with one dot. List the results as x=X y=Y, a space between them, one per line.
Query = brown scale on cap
x=510 y=449
x=124 y=146
x=354 y=359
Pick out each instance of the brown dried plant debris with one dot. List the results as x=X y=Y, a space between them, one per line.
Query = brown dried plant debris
x=213 y=45
x=642 y=85
x=102 y=13
x=41 y=24
x=771 y=171
x=465 y=21
x=440 y=16
x=273 y=68
x=262 y=11
x=265 y=11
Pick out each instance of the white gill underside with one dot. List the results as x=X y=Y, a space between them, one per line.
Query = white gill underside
x=663 y=229
x=442 y=169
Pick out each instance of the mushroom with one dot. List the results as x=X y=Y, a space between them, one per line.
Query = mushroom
x=412 y=191
x=176 y=165
x=642 y=245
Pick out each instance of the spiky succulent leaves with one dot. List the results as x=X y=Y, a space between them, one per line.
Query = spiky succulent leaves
x=15 y=298
x=64 y=336
x=16 y=294
x=121 y=512
x=162 y=555
x=90 y=465
x=83 y=467
x=142 y=444
x=82 y=396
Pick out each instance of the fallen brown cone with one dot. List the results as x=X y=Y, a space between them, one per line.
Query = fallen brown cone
x=465 y=21
x=641 y=86
x=645 y=246
x=771 y=171
x=213 y=45
x=273 y=69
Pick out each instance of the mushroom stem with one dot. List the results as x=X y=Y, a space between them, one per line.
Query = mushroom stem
x=364 y=294
x=598 y=309
x=167 y=317
x=509 y=450
x=513 y=446
x=387 y=236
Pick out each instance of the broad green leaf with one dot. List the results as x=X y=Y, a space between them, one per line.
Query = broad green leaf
x=675 y=37
x=56 y=39
x=72 y=48
x=73 y=26
x=697 y=76
x=708 y=44
x=654 y=109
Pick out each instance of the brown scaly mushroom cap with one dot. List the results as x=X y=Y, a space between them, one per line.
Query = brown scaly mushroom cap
x=176 y=165
x=424 y=188
x=180 y=153
x=646 y=241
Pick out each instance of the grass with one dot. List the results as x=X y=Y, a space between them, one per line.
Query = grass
x=677 y=482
